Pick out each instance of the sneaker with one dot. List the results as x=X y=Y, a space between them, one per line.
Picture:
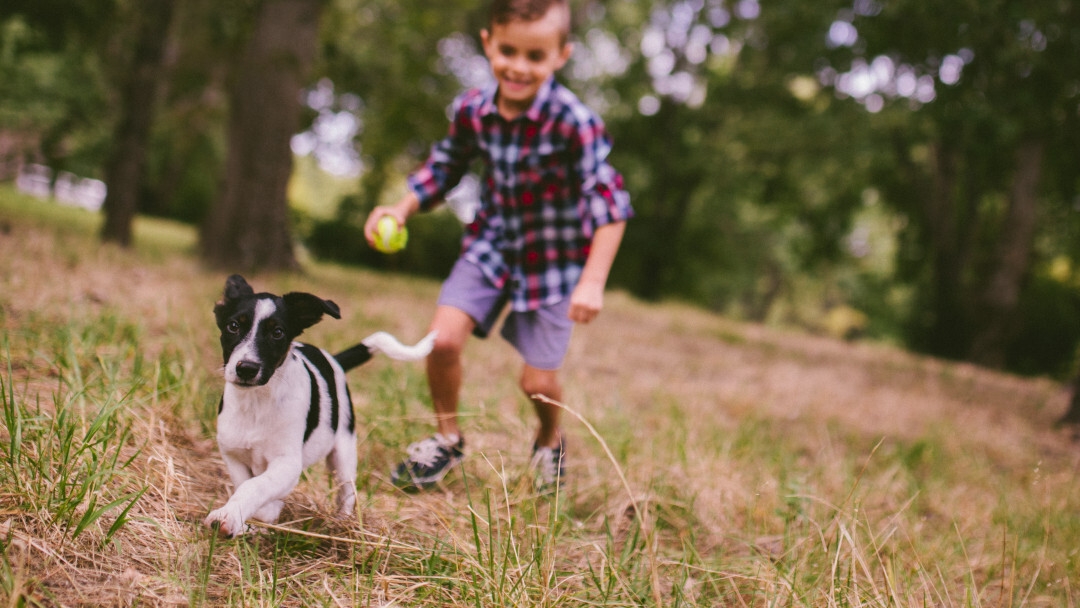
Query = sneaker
x=428 y=462
x=549 y=466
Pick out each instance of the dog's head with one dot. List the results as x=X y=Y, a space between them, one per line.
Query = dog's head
x=257 y=329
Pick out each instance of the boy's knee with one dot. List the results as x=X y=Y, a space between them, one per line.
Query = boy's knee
x=446 y=347
x=540 y=382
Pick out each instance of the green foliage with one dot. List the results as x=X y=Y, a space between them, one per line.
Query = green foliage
x=387 y=53
x=748 y=189
x=55 y=97
x=70 y=462
x=1048 y=336
x=434 y=242
x=950 y=166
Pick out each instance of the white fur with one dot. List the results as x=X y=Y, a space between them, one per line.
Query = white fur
x=260 y=430
x=382 y=342
x=261 y=440
x=245 y=350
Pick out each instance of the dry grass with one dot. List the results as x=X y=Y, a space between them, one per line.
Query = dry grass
x=761 y=467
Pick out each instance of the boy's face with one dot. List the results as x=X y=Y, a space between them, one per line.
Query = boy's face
x=523 y=54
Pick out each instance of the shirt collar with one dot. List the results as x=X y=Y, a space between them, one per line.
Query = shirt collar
x=535 y=111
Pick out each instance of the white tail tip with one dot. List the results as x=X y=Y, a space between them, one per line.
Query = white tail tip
x=382 y=342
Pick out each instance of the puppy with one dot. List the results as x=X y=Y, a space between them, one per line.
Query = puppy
x=286 y=404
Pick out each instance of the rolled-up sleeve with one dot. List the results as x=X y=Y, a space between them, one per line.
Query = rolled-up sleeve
x=604 y=199
x=449 y=158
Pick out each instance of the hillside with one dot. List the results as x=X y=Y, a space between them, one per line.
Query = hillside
x=762 y=467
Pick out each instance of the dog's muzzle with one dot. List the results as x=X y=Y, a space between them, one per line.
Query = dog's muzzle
x=247 y=372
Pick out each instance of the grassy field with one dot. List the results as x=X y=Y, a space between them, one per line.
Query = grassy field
x=713 y=463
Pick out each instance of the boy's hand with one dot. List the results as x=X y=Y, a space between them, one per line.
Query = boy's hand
x=400 y=212
x=586 y=302
x=588 y=297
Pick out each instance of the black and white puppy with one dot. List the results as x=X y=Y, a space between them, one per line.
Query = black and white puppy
x=286 y=404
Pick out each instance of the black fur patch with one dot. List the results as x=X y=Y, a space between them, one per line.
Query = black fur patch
x=318 y=359
x=350 y=423
x=313 y=407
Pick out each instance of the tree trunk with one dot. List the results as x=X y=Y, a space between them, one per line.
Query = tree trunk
x=1073 y=415
x=949 y=236
x=998 y=301
x=248 y=227
x=126 y=168
x=672 y=196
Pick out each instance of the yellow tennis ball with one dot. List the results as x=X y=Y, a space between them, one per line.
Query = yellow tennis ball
x=388 y=237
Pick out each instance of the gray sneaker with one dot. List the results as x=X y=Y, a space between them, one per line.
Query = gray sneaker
x=428 y=462
x=549 y=466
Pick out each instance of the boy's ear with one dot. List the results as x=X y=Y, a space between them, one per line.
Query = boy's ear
x=485 y=36
x=564 y=54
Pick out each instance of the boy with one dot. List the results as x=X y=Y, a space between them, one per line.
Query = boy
x=551 y=217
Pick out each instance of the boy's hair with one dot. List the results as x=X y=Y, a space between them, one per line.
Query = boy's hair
x=502 y=12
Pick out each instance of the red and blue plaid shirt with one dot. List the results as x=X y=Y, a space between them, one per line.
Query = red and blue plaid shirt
x=546 y=187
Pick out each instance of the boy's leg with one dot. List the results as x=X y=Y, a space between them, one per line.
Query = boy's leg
x=542 y=338
x=549 y=451
x=466 y=296
x=444 y=368
x=544 y=382
x=429 y=460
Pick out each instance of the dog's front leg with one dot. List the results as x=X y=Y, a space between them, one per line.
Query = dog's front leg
x=256 y=496
x=239 y=473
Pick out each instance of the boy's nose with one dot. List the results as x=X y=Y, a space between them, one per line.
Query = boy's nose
x=517 y=65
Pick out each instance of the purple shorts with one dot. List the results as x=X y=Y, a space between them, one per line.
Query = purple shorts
x=541 y=336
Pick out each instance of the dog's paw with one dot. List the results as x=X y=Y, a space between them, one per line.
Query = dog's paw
x=346 y=501
x=228 y=521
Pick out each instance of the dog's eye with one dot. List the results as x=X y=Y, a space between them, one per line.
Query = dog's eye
x=233 y=327
x=277 y=333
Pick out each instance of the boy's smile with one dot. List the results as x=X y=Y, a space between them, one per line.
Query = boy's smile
x=523 y=55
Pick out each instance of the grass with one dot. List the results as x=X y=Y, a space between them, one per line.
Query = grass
x=713 y=463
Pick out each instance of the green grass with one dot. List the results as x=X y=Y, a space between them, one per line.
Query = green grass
x=714 y=464
x=68 y=459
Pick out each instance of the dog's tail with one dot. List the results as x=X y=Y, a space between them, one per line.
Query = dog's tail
x=382 y=342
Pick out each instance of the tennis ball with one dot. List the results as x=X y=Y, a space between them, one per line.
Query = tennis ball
x=388 y=237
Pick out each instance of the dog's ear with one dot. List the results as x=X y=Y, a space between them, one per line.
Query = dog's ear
x=236 y=287
x=305 y=310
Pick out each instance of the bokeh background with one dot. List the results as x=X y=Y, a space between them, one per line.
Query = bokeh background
x=903 y=170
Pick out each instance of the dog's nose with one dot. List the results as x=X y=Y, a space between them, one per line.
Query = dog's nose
x=246 y=370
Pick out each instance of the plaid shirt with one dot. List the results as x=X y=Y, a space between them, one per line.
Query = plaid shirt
x=546 y=188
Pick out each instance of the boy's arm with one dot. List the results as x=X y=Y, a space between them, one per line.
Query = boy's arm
x=588 y=297
x=446 y=163
x=408 y=205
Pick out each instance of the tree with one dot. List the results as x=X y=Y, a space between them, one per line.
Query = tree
x=970 y=163
x=743 y=172
x=387 y=52
x=55 y=65
x=125 y=171
x=248 y=228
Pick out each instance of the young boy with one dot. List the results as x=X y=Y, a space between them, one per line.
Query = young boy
x=551 y=217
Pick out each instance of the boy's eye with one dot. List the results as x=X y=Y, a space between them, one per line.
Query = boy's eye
x=536 y=56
